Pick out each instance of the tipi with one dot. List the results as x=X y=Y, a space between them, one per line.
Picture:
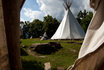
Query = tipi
x=69 y=27
x=45 y=37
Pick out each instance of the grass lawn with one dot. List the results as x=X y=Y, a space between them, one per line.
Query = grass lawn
x=62 y=58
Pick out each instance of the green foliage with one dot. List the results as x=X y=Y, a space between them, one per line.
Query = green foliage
x=36 y=28
x=50 y=25
x=84 y=19
x=25 y=29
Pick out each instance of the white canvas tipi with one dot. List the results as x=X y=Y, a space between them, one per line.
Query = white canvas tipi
x=69 y=27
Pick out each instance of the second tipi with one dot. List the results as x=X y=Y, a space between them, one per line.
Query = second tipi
x=69 y=27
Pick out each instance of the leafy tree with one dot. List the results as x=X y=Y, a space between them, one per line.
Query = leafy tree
x=36 y=28
x=84 y=19
x=25 y=29
x=50 y=25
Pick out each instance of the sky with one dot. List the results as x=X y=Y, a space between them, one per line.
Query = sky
x=37 y=9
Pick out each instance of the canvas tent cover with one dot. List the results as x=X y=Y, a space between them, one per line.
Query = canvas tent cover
x=69 y=28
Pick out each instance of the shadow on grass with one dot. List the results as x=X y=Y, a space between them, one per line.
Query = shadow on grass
x=32 y=65
x=29 y=63
x=23 y=52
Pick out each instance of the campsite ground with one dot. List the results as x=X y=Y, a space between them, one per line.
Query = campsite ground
x=62 y=58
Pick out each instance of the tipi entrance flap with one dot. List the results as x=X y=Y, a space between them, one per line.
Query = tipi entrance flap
x=96 y=40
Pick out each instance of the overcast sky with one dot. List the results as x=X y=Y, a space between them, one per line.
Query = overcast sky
x=37 y=9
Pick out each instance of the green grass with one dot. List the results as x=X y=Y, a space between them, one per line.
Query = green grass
x=62 y=58
x=29 y=63
x=37 y=40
